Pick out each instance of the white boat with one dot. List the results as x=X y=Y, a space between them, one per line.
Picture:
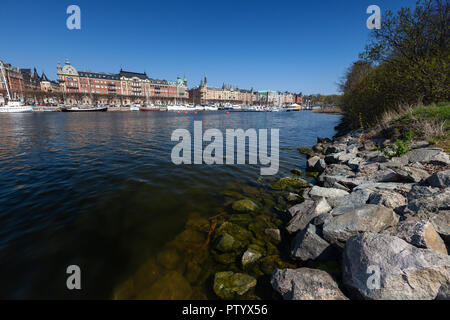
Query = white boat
x=12 y=105
x=211 y=108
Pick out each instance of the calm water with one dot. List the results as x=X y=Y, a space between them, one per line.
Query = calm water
x=99 y=190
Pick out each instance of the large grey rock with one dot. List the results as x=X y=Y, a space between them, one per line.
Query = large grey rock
x=355 y=198
x=306 y=284
x=419 y=233
x=354 y=163
x=334 y=157
x=388 y=198
x=411 y=174
x=404 y=271
x=301 y=208
x=302 y=218
x=316 y=164
x=308 y=245
x=336 y=148
x=344 y=182
x=422 y=200
x=358 y=219
x=380 y=186
x=440 y=179
x=428 y=155
x=317 y=192
x=441 y=222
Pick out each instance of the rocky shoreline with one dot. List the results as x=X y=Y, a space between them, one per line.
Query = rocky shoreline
x=386 y=221
x=358 y=225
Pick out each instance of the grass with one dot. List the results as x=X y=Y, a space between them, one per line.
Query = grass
x=430 y=123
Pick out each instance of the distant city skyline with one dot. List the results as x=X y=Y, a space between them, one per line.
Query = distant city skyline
x=294 y=46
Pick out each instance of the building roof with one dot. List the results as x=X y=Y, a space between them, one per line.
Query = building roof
x=107 y=76
x=128 y=74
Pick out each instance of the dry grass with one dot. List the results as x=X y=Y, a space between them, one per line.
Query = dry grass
x=328 y=110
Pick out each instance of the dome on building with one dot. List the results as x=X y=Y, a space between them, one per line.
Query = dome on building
x=67 y=69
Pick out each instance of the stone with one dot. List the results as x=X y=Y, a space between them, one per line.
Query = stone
x=274 y=234
x=405 y=272
x=336 y=148
x=301 y=208
x=419 y=233
x=334 y=158
x=301 y=220
x=358 y=219
x=287 y=182
x=171 y=286
x=426 y=199
x=428 y=155
x=355 y=198
x=169 y=258
x=306 y=284
x=379 y=186
x=439 y=179
x=387 y=198
x=229 y=285
x=250 y=256
x=354 y=163
x=297 y=172
x=318 y=192
x=227 y=243
x=308 y=245
x=410 y=174
x=244 y=206
x=316 y=164
x=441 y=223
x=292 y=197
x=305 y=151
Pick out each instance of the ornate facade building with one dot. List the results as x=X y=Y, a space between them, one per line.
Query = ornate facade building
x=121 y=88
x=203 y=94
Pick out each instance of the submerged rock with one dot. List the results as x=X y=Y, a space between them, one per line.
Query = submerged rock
x=227 y=243
x=245 y=205
x=250 y=256
x=169 y=258
x=229 y=285
x=306 y=284
x=297 y=172
x=383 y=267
x=288 y=182
x=171 y=286
x=305 y=151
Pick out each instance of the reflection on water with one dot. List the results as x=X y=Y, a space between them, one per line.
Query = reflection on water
x=99 y=190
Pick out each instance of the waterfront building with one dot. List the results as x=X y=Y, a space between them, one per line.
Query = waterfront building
x=204 y=94
x=47 y=85
x=124 y=87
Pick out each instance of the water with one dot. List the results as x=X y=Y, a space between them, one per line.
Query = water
x=99 y=190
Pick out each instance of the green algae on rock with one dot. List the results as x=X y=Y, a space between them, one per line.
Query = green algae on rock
x=297 y=172
x=245 y=206
x=288 y=182
x=305 y=151
x=230 y=285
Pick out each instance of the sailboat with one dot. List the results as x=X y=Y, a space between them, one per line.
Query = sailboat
x=12 y=105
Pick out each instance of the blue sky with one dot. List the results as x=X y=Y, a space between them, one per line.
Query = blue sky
x=278 y=45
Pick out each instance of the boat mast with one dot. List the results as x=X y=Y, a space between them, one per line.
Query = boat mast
x=2 y=67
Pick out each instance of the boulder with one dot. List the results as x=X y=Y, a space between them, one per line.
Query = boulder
x=171 y=286
x=287 y=182
x=317 y=192
x=308 y=245
x=274 y=234
x=379 y=186
x=419 y=233
x=388 y=198
x=334 y=158
x=230 y=285
x=301 y=220
x=384 y=267
x=439 y=179
x=358 y=219
x=250 y=256
x=336 y=148
x=441 y=223
x=422 y=200
x=244 y=206
x=306 y=284
x=354 y=163
x=355 y=198
x=301 y=208
x=428 y=155
x=316 y=164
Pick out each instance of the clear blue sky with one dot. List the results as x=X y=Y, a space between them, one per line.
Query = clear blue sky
x=278 y=45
